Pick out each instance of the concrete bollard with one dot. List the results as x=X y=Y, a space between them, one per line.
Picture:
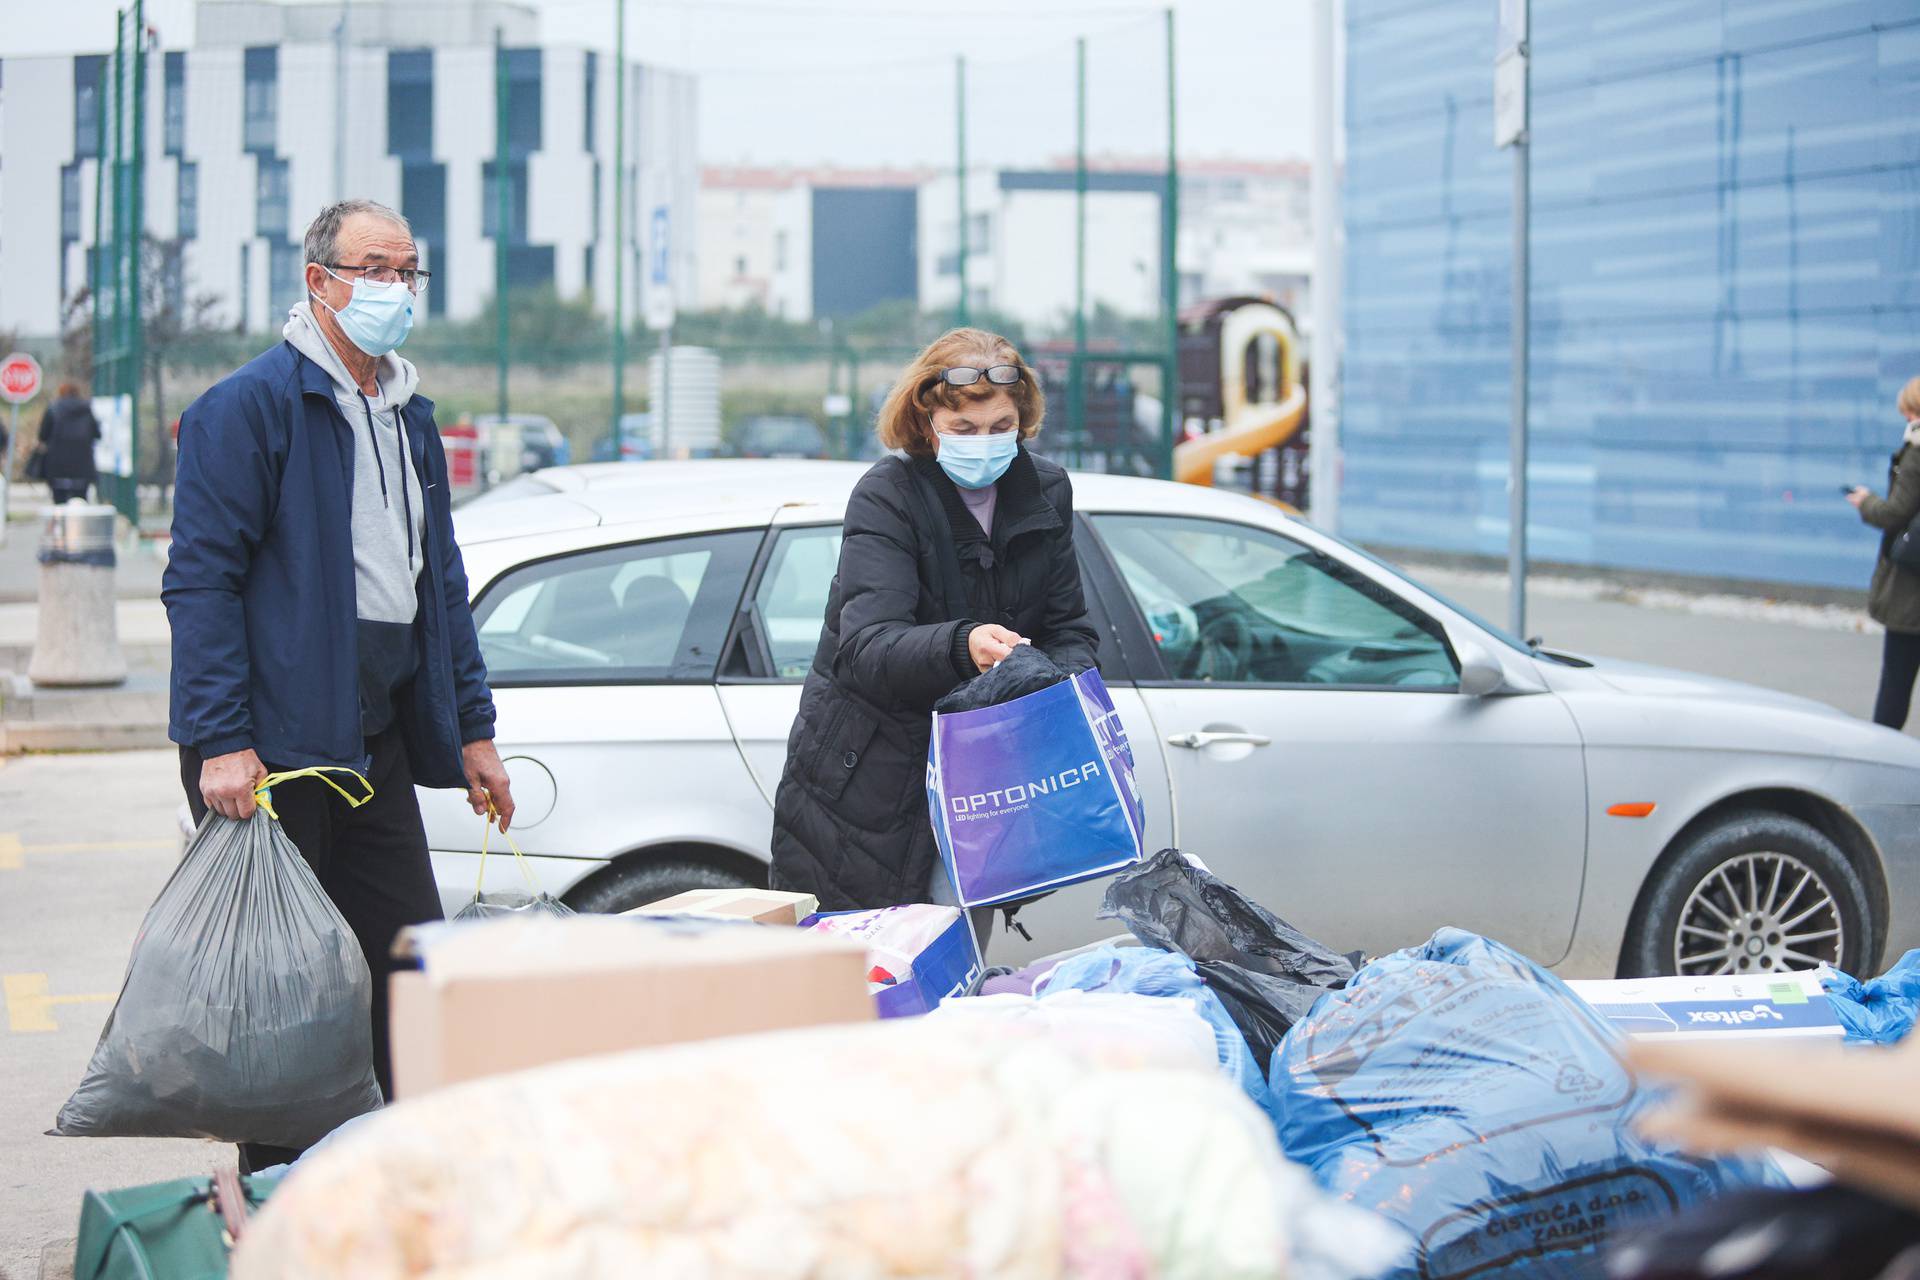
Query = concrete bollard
x=79 y=638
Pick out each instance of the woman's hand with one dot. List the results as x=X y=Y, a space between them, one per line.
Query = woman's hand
x=988 y=644
x=1858 y=496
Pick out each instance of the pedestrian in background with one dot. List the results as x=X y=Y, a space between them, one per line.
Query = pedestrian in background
x=1894 y=598
x=961 y=496
x=318 y=601
x=64 y=455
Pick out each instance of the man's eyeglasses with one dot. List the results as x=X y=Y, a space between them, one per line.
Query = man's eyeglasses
x=415 y=279
x=1001 y=375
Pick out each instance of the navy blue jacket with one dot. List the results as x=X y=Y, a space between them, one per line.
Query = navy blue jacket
x=259 y=587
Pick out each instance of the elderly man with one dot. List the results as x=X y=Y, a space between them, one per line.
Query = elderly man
x=317 y=599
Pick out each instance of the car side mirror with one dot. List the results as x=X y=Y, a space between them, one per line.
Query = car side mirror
x=1480 y=672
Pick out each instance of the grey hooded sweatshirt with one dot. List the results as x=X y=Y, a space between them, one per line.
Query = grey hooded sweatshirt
x=389 y=520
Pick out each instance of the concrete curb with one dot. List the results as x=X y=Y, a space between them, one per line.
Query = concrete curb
x=20 y=736
x=126 y=717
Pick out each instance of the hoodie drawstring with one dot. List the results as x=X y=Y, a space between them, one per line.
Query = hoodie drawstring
x=373 y=438
x=379 y=462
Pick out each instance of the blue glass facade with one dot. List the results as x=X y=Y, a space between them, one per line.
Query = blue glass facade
x=1725 y=292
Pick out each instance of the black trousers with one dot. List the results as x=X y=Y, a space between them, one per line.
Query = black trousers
x=1898 y=666
x=373 y=863
x=67 y=490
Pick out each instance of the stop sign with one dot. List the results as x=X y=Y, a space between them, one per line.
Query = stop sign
x=19 y=378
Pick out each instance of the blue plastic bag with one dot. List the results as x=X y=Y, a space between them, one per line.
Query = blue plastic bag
x=1881 y=1011
x=1149 y=972
x=1034 y=794
x=1464 y=1093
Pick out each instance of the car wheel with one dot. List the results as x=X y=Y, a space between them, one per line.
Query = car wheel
x=1755 y=893
x=623 y=888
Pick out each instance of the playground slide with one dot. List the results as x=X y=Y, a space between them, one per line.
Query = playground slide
x=1254 y=430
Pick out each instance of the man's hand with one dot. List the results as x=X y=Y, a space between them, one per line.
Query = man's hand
x=487 y=780
x=989 y=643
x=227 y=783
x=1858 y=496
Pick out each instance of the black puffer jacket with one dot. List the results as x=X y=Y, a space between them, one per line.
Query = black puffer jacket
x=67 y=434
x=850 y=820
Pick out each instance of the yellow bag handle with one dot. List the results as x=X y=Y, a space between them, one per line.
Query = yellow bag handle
x=263 y=793
x=486 y=834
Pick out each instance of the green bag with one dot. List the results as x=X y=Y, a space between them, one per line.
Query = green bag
x=179 y=1230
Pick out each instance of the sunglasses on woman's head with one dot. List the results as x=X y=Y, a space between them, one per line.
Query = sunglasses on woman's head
x=1003 y=375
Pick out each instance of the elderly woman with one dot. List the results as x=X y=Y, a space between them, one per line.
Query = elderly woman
x=1894 y=598
x=958 y=547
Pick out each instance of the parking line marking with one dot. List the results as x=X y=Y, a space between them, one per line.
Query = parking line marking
x=30 y=1008
x=13 y=852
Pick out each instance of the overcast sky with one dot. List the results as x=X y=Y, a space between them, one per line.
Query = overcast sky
x=867 y=82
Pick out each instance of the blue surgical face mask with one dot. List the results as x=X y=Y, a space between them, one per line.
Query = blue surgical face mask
x=975 y=462
x=378 y=318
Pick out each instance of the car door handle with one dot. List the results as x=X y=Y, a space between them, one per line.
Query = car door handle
x=1198 y=739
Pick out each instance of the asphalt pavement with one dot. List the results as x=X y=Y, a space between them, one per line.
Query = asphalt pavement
x=1828 y=653
x=87 y=840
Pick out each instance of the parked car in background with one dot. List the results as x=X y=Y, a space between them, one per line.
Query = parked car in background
x=541 y=443
x=1361 y=755
x=636 y=440
x=780 y=437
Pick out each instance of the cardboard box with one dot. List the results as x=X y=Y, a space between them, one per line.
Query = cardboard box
x=495 y=996
x=762 y=906
x=1717 y=1007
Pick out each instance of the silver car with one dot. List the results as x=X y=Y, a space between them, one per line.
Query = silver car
x=1364 y=757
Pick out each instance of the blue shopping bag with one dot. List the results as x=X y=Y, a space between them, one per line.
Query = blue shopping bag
x=1034 y=794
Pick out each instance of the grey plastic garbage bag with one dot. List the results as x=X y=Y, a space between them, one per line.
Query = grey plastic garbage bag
x=508 y=902
x=245 y=1012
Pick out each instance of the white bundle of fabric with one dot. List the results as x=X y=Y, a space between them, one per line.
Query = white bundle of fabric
x=912 y=1148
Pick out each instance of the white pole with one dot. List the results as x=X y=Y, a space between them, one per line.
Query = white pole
x=6 y=467
x=340 y=47
x=1517 y=496
x=1323 y=458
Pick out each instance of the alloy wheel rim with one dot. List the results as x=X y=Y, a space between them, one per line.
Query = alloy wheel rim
x=1756 y=914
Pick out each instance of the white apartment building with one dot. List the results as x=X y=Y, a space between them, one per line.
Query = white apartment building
x=804 y=244
x=277 y=110
x=1242 y=230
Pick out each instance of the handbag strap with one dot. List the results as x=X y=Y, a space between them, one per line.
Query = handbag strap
x=230 y=1201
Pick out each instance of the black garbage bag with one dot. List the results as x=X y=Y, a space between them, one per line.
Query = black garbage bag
x=1170 y=903
x=245 y=1015
x=1823 y=1233
x=1026 y=670
x=1264 y=1007
x=1264 y=970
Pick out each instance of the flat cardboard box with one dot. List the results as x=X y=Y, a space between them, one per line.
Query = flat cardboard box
x=762 y=906
x=1716 y=1007
x=504 y=995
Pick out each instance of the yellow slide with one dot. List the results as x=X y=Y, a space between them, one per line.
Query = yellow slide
x=1257 y=428
x=1250 y=425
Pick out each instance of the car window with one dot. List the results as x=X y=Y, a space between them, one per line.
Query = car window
x=792 y=596
x=653 y=611
x=1234 y=604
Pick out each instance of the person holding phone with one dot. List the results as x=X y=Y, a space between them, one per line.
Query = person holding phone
x=957 y=547
x=1893 y=600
